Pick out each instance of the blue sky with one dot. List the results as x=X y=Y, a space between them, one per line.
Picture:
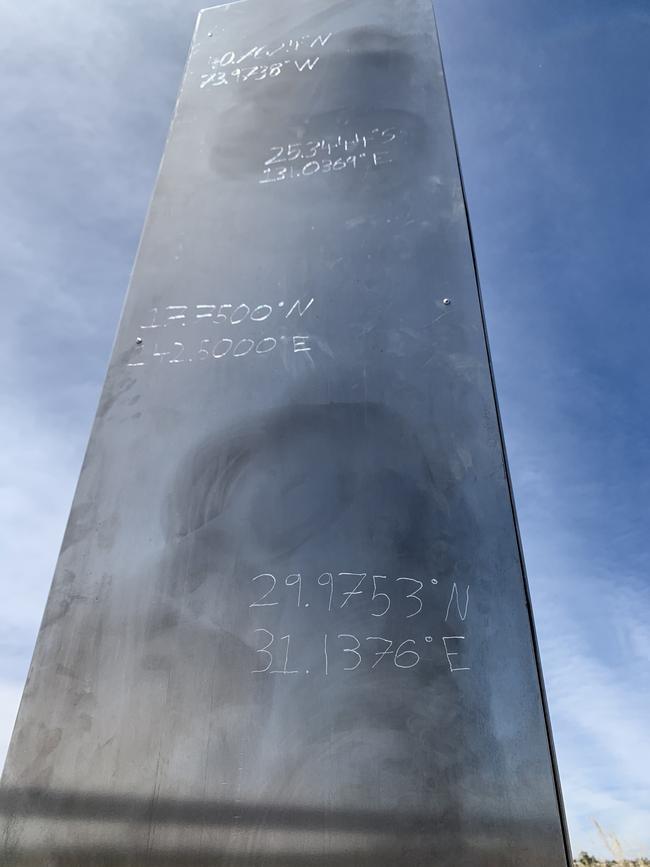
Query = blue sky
x=551 y=105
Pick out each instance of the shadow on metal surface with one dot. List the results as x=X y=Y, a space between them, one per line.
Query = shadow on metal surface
x=229 y=833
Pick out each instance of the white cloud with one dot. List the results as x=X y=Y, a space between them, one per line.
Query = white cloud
x=10 y=694
x=87 y=92
x=38 y=470
x=593 y=625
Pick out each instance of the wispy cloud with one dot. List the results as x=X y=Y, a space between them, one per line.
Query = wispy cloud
x=38 y=467
x=592 y=606
x=87 y=92
x=546 y=103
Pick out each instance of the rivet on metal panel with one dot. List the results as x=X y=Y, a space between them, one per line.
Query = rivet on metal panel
x=446 y=301
x=138 y=340
x=209 y=34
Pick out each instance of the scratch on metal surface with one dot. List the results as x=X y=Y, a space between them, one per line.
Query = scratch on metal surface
x=221 y=5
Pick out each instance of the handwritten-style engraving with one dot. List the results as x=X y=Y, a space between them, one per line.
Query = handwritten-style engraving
x=237 y=67
x=182 y=319
x=449 y=653
x=354 y=594
x=355 y=150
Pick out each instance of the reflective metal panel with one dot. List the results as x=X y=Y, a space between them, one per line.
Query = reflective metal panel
x=289 y=623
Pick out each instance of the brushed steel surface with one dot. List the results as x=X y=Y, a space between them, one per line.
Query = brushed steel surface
x=289 y=623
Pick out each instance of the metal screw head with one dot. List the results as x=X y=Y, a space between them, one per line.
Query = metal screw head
x=138 y=340
x=446 y=301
